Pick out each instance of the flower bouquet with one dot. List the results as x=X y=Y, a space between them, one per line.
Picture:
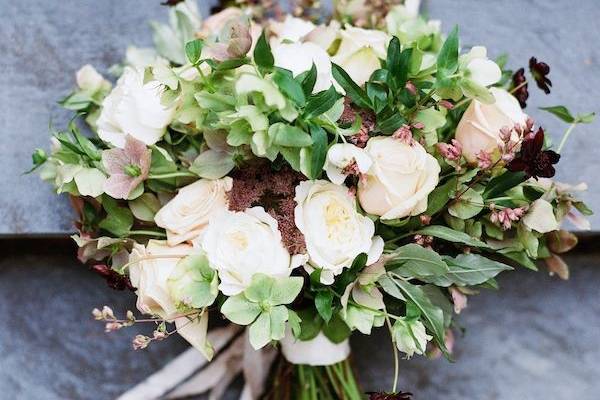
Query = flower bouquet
x=306 y=180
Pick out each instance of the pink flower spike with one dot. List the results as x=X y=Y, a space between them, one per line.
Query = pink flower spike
x=484 y=159
x=127 y=167
x=404 y=134
x=446 y=104
x=451 y=152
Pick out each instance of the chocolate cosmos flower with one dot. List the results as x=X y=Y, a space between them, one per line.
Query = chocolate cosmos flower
x=113 y=278
x=534 y=161
x=540 y=71
x=389 y=396
x=519 y=81
x=127 y=167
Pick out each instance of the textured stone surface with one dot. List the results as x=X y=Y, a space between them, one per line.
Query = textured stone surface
x=537 y=338
x=44 y=42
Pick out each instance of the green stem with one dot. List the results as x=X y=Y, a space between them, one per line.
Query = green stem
x=173 y=175
x=396 y=362
x=148 y=233
x=566 y=136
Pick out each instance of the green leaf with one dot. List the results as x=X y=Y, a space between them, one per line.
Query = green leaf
x=118 y=221
x=145 y=207
x=289 y=86
x=393 y=57
x=447 y=61
x=389 y=286
x=262 y=53
x=309 y=80
x=310 y=324
x=413 y=260
x=336 y=330
x=77 y=101
x=356 y=94
x=389 y=122
x=231 y=64
x=469 y=269
x=87 y=146
x=502 y=183
x=521 y=258
x=285 y=290
x=289 y=136
x=320 y=103
x=439 y=197
x=467 y=206
x=239 y=310
x=212 y=164
x=565 y=115
x=433 y=315
x=294 y=322
x=448 y=234
x=324 y=304
x=193 y=50
x=473 y=90
x=319 y=151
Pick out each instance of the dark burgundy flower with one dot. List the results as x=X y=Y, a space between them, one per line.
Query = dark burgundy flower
x=519 y=82
x=113 y=278
x=534 y=161
x=540 y=71
x=389 y=396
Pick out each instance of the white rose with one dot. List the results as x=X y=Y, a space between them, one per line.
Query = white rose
x=319 y=351
x=299 y=57
x=341 y=157
x=400 y=179
x=360 y=52
x=479 y=128
x=186 y=216
x=149 y=272
x=89 y=79
x=540 y=217
x=133 y=108
x=324 y=35
x=292 y=28
x=479 y=68
x=334 y=232
x=241 y=244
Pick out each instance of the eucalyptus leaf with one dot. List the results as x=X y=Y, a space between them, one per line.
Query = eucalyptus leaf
x=467 y=206
x=469 y=269
x=413 y=260
x=212 y=164
x=451 y=235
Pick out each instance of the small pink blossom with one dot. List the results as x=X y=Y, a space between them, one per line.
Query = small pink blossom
x=404 y=134
x=127 y=167
x=505 y=134
x=507 y=216
x=418 y=125
x=112 y=326
x=425 y=219
x=412 y=89
x=451 y=152
x=140 y=342
x=446 y=104
x=484 y=159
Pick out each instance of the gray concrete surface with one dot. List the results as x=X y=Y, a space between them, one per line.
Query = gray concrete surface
x=43 y=43
x=538 y=338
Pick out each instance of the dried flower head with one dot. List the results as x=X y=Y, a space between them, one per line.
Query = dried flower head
x=389 y=396
x=540 y=71
x=404 y=134
x=113 y=278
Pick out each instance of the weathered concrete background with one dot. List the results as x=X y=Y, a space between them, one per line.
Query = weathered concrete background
x=43 y=43
x=535 y=339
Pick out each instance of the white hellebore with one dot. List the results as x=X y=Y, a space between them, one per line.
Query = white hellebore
x=360 y=52
x=299 y=57
x=319 y=351
x=334 y=231
x=241 y=244
x=479 y=68
x=149 y=271
x=344 y=159
x=186 y=216
x=133 y=108
x=291 y=29
x=540 y=217
x=400 y=179
x=89 y=79
x=410 y=337
x=479 y=128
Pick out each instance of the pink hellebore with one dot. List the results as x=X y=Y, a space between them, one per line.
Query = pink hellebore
x=127 y=167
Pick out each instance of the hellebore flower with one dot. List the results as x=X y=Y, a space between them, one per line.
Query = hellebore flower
x=540 y=71
x=127 y=167
x=534 y=161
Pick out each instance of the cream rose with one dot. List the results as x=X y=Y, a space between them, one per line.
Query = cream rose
x=186 y=216
x=479 y=128
x=149 y=271
x=319 y=351
x=334 y=231
x=241 y=244
x=133 y=108
x=400 y=179
x=299 y=57
x=360 y=52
